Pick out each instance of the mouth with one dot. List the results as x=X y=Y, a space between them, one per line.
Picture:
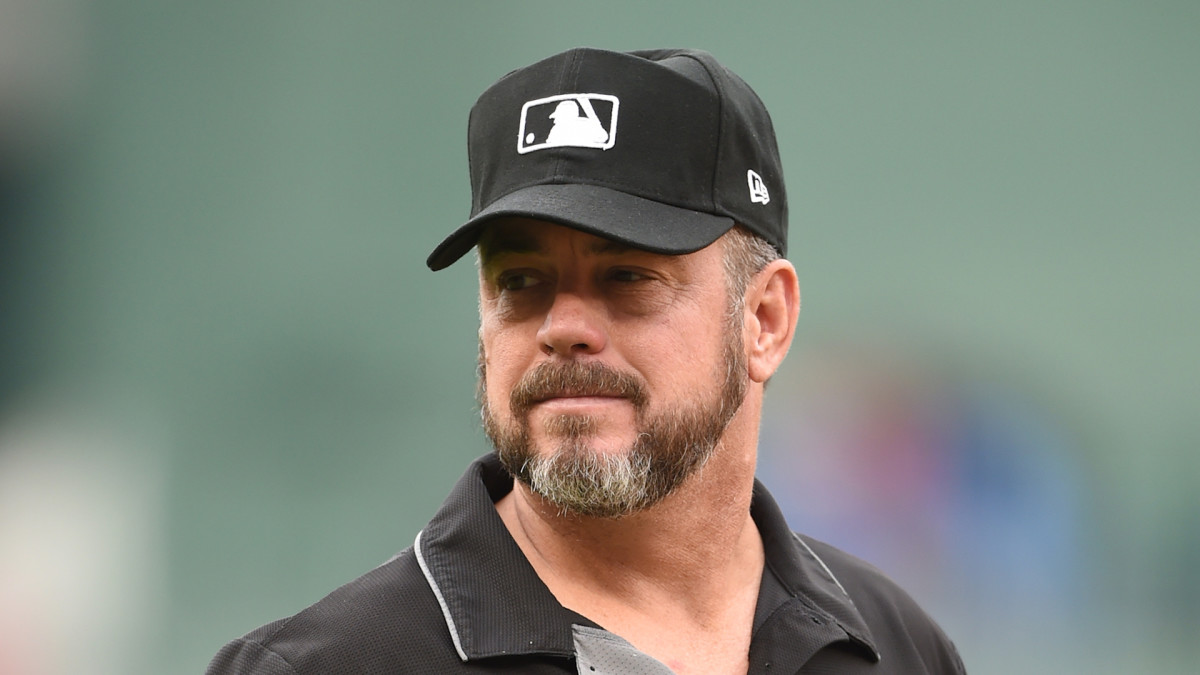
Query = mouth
x=580 y=396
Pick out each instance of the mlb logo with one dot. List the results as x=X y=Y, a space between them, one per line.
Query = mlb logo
x=568 y=120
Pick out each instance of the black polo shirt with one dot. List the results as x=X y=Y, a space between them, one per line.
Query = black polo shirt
x=463 y=599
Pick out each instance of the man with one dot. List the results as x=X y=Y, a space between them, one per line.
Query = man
x=634 y=301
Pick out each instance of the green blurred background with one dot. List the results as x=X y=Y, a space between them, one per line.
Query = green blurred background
x=229 y=384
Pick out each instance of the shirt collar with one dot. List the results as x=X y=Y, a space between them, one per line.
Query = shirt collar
x=492 y=599
x=815 y=604
x=495 y=604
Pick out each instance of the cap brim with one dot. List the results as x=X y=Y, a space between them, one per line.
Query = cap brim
x=615 y=215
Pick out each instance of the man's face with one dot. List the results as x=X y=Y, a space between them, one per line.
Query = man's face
x=607 y=373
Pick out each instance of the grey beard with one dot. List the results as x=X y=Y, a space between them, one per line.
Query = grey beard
x=670 y=446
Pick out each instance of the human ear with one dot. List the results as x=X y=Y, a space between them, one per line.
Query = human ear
x=772 y=308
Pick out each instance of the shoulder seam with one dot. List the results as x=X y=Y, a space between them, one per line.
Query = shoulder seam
x=267 y=650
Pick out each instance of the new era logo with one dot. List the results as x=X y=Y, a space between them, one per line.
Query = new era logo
x=758 y=189
x=573 y=120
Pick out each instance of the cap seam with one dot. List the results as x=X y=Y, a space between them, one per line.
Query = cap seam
x=570 y=74
x=717 y=154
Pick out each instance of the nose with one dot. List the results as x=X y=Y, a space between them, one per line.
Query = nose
x=573 y=326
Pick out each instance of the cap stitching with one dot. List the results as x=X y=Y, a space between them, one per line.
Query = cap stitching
x=712 y=186
x=569 y=74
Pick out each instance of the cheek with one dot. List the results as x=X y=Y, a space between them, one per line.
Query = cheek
x=503 y=365
x=670 y=356
x=683 y=353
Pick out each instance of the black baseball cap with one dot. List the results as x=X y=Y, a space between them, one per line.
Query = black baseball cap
x=664 y=150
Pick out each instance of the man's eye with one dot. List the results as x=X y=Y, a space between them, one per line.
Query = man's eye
x=625 y=276
x=516 y=281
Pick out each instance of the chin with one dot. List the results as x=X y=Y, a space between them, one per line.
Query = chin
x=597 y=446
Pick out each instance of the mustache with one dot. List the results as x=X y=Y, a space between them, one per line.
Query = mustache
x=550 y=380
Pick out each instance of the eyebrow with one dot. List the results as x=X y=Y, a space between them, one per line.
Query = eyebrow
x=494 y=244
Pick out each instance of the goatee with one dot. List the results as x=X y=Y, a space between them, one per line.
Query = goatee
x=670 y=446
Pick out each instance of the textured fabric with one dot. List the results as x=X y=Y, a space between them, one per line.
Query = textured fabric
x=465 y=590
x=599 y=652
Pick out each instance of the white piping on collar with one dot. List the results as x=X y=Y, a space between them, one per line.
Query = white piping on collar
x=437 y=592
x=828 y=572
